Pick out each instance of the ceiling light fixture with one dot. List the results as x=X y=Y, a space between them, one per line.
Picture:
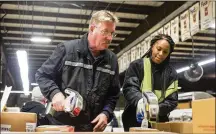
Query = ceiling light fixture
x=206 y=62
x=34 y=84
x=23 y=64
x=199 y=63
x=15 y=92
x=40 y=39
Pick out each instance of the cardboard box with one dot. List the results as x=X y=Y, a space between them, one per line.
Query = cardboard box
x=181 y=127
x=184 y=105
x=18 y=121
x=163 y=127
x=154 y=125
x=140 y=129
x=55 y=128
x=204 y=116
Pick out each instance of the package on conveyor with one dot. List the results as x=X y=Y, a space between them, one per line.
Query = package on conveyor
x=55 y=128
x=175 y=127
x=141 y=129
x=161 y=126
x=18 y=121
x=181 y=127
x=204 y=116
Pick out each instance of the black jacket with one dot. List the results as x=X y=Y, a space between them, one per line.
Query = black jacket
x=131 y=90
x=34 y=107
x=97 y=80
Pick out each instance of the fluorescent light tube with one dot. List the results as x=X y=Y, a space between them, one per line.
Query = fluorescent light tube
x=16 y=92
x=40 y=39
x=34 y=84
x=182 y=69
x=206 y=61
x=23 y=64
x=199 y=63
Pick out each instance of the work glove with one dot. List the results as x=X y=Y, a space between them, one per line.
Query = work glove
x=73 y=102
x=140 y=110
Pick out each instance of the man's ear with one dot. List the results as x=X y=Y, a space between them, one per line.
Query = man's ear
x=92 y=27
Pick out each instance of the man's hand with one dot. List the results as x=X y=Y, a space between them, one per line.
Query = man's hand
x=101 y=121
x=58 y=102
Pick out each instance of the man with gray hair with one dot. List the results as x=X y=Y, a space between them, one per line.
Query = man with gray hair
x=88 y=70
x=38 y=96
x=37 y=103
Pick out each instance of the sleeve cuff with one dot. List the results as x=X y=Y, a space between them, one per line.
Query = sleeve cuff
x=107 y=114
x=53 y=94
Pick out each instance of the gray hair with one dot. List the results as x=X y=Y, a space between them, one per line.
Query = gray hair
x=37 y=95
x=102 y=16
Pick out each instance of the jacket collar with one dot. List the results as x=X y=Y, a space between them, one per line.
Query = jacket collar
x=85 y=51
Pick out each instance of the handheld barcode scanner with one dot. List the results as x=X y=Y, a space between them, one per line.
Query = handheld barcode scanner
x=73 y=102
x=151 y=108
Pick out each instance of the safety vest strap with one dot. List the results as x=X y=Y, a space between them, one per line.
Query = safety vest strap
x=147 y=81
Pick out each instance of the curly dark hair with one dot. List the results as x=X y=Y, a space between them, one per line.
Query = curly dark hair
x=161 y=37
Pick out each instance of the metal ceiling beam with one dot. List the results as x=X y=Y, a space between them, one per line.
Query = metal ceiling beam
x=204 y=38
x=146 y=3
x=183 y=53
x=56 y=31
x=85 y=5
x=67 y=10
x=205 y=46
x=62 y=15
x=19 y=45
x=200 y=41
x=28 y=36
x=176 y=57
x=30 y=62
x=32 y=51
x=153 y=18
x=195 y=49
x=31 y=55
x=27 y=41
x=210 y=34
x=200 y=51
x=208 y=31
x=49 y=34
x=11 y=41
x=38 y=46
x=29 y=58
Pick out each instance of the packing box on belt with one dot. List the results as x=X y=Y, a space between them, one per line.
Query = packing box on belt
x=176 y=127
x=140 y=129
x=184 y=105
x=18 y=121
x=162 y=126
x=204 y=115
x=181 y=127
x=55 y=128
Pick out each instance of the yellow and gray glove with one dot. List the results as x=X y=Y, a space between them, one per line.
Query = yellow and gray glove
x=140 y=110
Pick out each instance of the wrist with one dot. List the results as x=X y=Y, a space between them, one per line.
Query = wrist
x=57 y=96
x=106 y=114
